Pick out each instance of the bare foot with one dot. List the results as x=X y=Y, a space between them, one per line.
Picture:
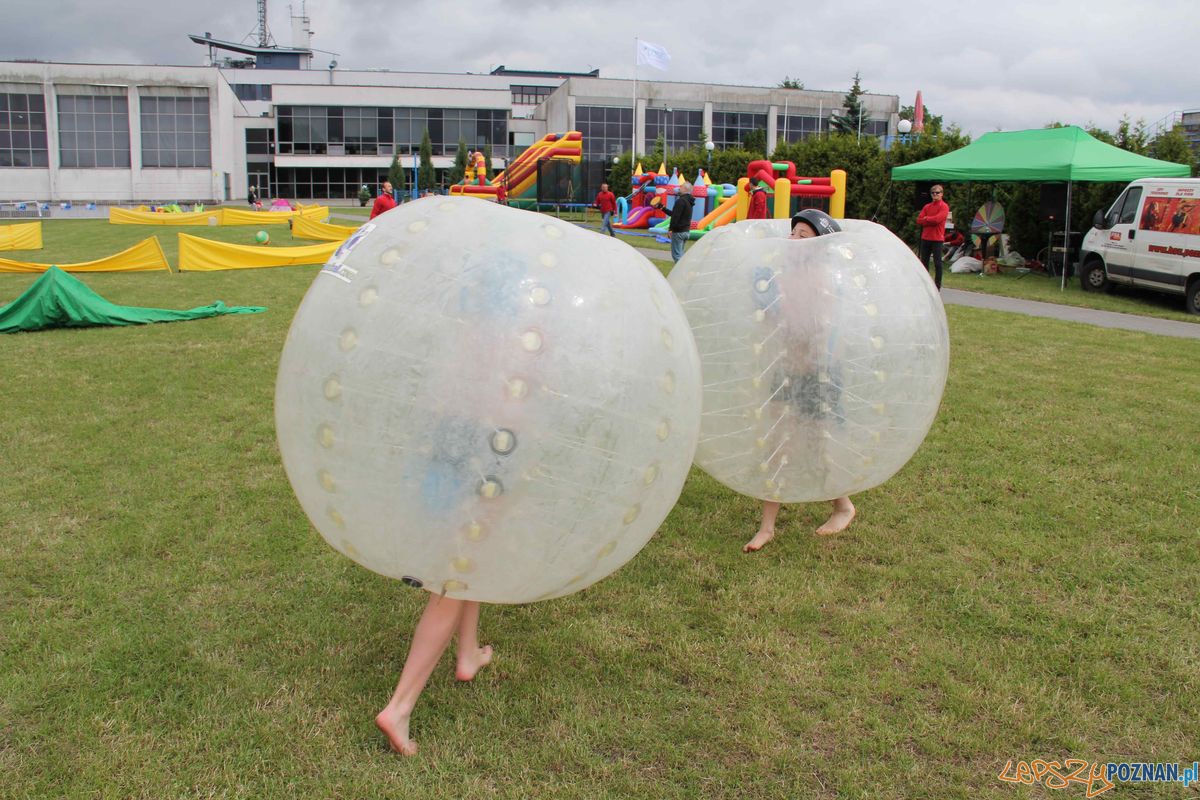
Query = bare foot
x=395 y=728
x=763 y=536
x=840 y=519
x=470 y=664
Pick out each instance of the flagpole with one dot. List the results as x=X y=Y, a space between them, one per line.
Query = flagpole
x=633 y=144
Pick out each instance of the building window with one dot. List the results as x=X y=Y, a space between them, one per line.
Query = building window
x=530 y=95
x=350 y=130
x=260 y=142
x=175 y=127
x=730 y=128
x=796 y=127
x=252 y=91
x=22 y=126
x=93 y=127
x=607 y=131
x=318 y=183
x=680 y=127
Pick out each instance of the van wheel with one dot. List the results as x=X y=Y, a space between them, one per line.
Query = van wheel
x=1093 y=278
x=1193 y=295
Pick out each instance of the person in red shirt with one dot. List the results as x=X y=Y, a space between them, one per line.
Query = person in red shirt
x=606 y=201
x=384 y=202
x=932 y=220
x=758 y=201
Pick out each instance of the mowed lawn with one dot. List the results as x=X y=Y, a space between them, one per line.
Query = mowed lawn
x=172 y=626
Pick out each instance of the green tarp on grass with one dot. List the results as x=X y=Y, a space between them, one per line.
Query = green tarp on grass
x=59 y=300
x=1041 y=155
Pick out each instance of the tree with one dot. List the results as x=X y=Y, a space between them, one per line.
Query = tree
x=426 y=177
x=487 y=161
x=755 y=141
x=851 y=121
x=658 y=155
x=396 y=173
x=460 y=164
x=933 y=122
x=1132 y=136
x=1173 y=145
x=790 y=83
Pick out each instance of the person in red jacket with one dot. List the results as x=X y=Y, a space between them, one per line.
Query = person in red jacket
x=758 y=200
x=932 y=220
x=606 y=201
x=384 y=202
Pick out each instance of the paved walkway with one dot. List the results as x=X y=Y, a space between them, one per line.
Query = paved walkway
x=1035 y=308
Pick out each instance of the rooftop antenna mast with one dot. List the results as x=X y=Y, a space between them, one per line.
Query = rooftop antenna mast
x=264 y=33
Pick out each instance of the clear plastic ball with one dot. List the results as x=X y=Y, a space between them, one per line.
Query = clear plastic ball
x=488 y=403
x=823 y=359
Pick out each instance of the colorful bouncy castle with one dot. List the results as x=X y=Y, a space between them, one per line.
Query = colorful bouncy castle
x=653 y=196
x=518 y=183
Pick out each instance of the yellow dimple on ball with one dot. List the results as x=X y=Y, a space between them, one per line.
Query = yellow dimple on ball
x=325 y=435
x=348 y=340
x=548 y=260
x=327 y=481
x=632 y=514
x=531 y=341
x=368 y=296
x=517 y=388
x=650 y=475
x=502 y=441
x=332 y=389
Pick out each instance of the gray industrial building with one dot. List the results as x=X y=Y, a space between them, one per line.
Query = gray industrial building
x=264 y=116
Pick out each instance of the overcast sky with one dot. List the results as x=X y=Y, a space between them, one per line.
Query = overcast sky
x=1003 y=65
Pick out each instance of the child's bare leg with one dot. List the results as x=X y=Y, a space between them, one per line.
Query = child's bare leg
x=840 y=519
x=766 y=530
x=437 y=624
x=471 y=657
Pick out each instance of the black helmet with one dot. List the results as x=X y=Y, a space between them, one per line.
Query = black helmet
x=821 y=222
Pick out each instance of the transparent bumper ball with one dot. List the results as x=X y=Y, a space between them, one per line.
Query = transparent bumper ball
x=487 y=403
x=823 y=359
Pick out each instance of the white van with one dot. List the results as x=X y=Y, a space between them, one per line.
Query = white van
x=1149 y=238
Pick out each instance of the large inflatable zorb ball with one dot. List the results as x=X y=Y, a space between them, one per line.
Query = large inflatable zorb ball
x=488 y=403
x=823 y=359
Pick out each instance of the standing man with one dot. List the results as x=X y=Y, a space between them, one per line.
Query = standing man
x=606 y=201
x=681 y=220
x=758 y=200
x=932 y=220
x=384 y=202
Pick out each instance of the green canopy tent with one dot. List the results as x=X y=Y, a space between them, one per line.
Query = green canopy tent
x=59 y=300
x=1041 y=155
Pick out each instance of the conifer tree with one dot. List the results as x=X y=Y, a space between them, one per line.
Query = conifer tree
x=426 y=175
x=854 y=115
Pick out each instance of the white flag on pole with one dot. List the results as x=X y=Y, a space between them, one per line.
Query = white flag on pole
x=653 y=55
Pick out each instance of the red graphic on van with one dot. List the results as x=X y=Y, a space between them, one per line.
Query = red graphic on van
x=1114 y=236
x=1171 y=215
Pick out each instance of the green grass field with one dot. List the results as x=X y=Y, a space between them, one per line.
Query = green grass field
x=172 y=626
